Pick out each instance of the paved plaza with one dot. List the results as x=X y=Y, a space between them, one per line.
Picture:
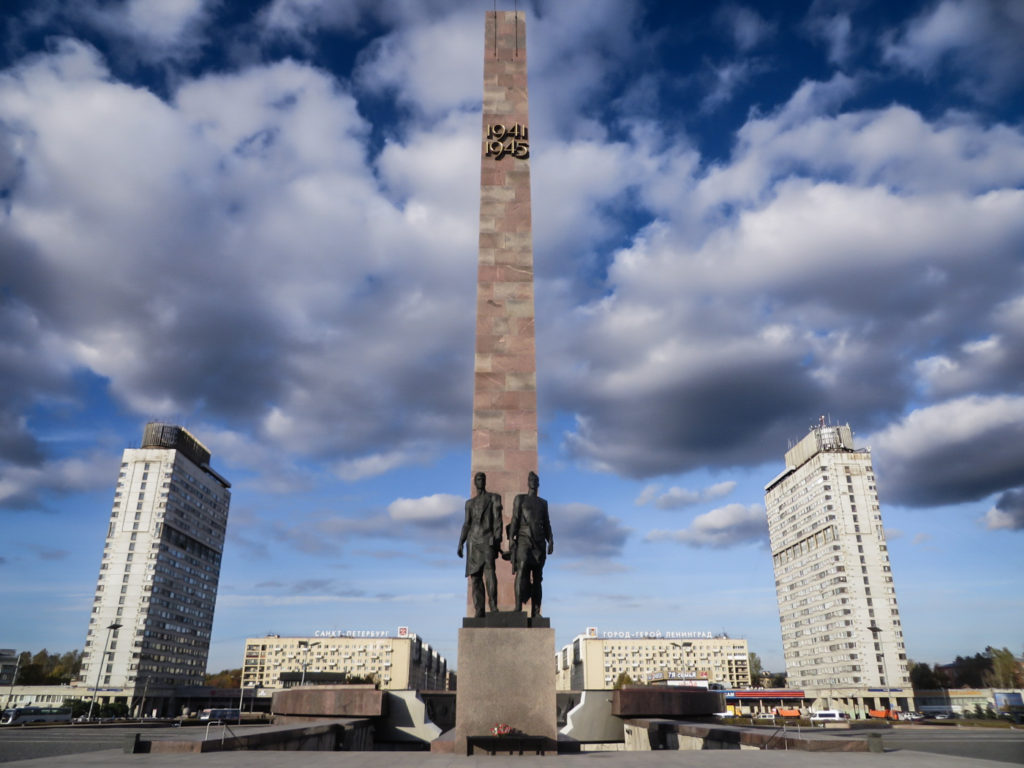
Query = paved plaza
x=707 y=759
x=905 y=748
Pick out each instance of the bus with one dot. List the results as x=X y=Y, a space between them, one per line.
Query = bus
x=23 y=715
x=221 y=714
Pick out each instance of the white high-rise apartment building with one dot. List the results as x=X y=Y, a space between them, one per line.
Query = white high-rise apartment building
x=841 y=630
x=153 y=609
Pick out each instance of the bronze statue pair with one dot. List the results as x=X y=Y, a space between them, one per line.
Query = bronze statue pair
x=529 y=542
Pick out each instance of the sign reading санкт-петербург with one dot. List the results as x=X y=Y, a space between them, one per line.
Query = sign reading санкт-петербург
x=367 y=633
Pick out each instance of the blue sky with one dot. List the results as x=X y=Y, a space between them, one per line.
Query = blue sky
x=259 y=220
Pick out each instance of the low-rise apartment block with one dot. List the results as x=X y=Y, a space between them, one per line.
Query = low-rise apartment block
x=395 y=662
x=592 y=661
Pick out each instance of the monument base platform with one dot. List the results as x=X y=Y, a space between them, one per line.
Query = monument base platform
x=506 y=677
x=507 y=620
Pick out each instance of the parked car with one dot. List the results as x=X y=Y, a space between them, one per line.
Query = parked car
x=826 y=716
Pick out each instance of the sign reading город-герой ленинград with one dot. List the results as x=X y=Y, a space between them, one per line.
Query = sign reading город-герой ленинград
x=656 y=634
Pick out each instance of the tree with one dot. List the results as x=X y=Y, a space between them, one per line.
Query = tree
x=779 y=680
x=363 y=680
x=113 y=709
x=78 y=707
x=756 y=670
x=226 y=678
x=970 y=671
x=623 y=680
x=1005 y=671
x=923 y=677
x=45 y=668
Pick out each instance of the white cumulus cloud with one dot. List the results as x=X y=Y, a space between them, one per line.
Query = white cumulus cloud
x=437 y=506
x=721 y=528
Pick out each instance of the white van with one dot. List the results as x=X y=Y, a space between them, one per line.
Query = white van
x=826 y=716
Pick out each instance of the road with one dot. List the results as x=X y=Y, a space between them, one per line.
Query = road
x=995 y=744
x=1000 y=744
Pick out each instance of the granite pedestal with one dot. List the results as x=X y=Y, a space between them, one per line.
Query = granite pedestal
x=506 y=676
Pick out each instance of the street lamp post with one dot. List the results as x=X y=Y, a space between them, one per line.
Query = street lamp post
x=103 y=659
x=241 y=695
x=142 y=706
x=10 y=693
x=306 y=662
x=874 y=629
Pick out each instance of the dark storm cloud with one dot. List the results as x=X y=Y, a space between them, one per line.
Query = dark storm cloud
x=975 y=45
x=961 y=450
x=1008 y=512
x=17 y=445
x=846 y=279
x=433 y=519
x=740 y=413
x=28 y=368
x=248 y=288
x=585 y=532
x=251 y=262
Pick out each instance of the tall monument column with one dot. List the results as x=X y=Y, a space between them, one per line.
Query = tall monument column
x=505 y=658
x=505 y=369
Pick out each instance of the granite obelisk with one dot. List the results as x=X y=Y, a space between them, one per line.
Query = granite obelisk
x=505 y=369
x=506 y=676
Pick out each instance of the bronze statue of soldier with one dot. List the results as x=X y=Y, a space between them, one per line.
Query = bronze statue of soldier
x=482 y=532
x=530 y=541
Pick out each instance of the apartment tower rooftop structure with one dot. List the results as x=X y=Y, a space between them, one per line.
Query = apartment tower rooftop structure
x=153 y=609
x=841 y=630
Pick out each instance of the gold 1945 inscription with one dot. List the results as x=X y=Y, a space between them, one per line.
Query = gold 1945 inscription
x=507 y=140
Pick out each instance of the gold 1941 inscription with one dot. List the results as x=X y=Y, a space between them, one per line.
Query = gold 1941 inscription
x=507 y=140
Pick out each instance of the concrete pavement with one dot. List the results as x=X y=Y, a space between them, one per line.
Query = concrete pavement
x=664 y=759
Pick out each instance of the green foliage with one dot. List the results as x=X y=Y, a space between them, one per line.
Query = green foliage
x=46 y=668
x=78 y=707
x=226 y=678
x=114 y=709
x=995 y=668
x=623 y=680
x=1005 y=671
x=923 y=677
x=970 y=671
x=362 y=680
x=778 y=680
x=756 y=670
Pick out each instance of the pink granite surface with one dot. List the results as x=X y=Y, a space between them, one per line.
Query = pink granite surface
x=505 y=380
